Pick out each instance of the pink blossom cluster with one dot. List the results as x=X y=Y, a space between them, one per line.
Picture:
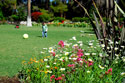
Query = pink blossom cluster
x=61 y=43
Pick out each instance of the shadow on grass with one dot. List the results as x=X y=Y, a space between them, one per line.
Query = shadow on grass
x=39 y=36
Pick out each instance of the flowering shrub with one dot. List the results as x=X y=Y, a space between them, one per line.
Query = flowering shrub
x=35 y=15
x=68 y=62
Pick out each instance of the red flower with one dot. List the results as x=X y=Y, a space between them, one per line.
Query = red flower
x=62 y=21
x=59 y=78
x=61 y=43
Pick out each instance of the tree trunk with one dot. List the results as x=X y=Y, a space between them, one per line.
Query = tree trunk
x=47 y=4
x=29 y=23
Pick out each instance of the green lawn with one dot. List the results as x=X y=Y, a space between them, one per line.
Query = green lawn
x=14 y=49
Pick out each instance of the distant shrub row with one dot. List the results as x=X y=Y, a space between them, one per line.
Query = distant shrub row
x=80 y=19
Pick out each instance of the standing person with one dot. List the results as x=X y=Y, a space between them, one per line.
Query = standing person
x=44 y=30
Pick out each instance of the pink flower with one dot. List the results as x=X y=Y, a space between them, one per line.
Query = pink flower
x=109 y=71
x=85 y=61
x=80 y=50
x=63 y=75
x=59 y=78
x=53 y=76
x=71 y=65
x=53 y=53
x=79 y=59
x=90 y=63
x=79 y=53
x=61 y=43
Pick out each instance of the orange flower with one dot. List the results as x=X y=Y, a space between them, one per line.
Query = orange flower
x=31 y=59
x=30 y=62
x=55 y=67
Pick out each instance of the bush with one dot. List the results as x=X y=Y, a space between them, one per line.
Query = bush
x=44 y=18
x=1 y=15
x=79 y=19
x=35 y=15
x=60 y=19
x=15 y=17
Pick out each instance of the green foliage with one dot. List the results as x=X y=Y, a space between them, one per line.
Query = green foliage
x=7 y=6
x=60 y=19
x=104 y=19
x=15 y=17
x=44 y=18
x=21 y=12
x=60 y=8
x=19 y=15
x=79 y=19
x=122 y=19
x=1 y=15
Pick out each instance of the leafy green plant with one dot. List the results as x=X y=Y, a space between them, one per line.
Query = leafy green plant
x=79 y=19
x=15 y=17
x=1 y=15
x=60 y=19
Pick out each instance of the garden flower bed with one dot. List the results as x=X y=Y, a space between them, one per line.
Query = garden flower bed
x=68 y=62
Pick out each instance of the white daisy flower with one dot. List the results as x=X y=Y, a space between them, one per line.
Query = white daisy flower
x=93 y=53
x=42 y=52
x=54 y=63
x=47 y=66
x=62 y=69
x=123 y=74
x=116 y=48
x=45 y=48
x=88 y=71
x=89 y=59
x=45 y=59
x=90 y=44
x=87 y=53
x=101 y=67
x=66 y=53
x=74 y=38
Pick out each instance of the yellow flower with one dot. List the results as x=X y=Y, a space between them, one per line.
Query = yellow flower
x=41 y=60
x=37 y=68
x=23 y=62
x=45 y=72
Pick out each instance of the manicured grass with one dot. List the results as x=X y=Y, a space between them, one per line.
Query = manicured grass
x=14 y=49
